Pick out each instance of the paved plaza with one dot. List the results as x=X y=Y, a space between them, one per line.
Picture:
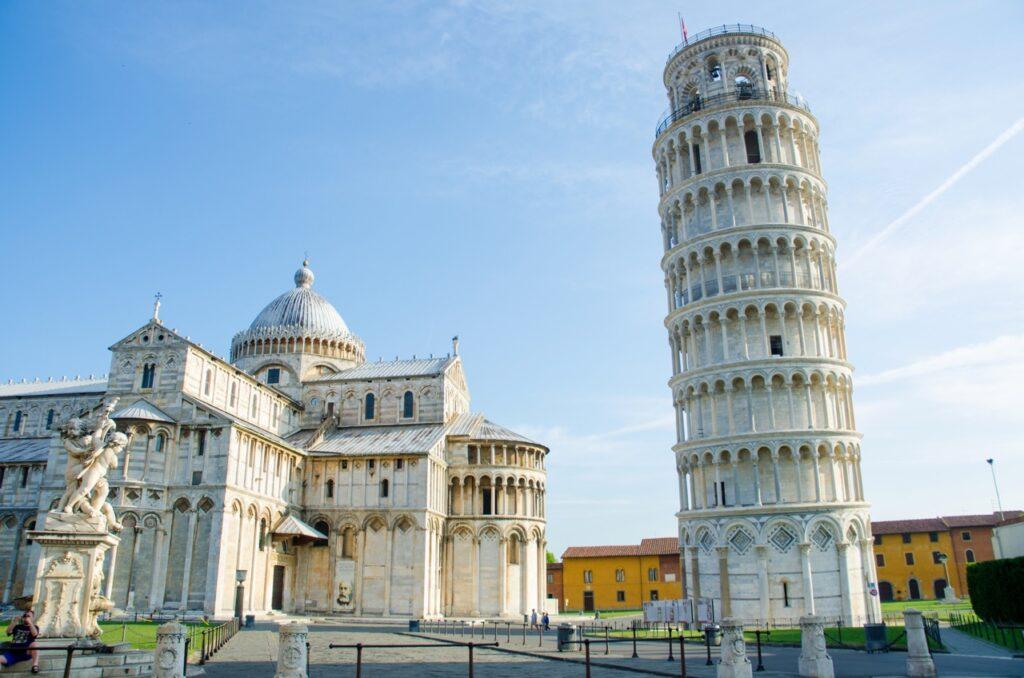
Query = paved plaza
x=254 y=653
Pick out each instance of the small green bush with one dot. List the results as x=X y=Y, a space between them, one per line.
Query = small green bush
x=997 y=589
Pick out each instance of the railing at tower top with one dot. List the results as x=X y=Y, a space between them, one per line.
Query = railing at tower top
x=698 y=103
x=721 y=30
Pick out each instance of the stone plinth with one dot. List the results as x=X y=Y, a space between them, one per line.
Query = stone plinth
x=734 y=662
x=919 y=657
x=291 y=655
x=69 y=578
x=169 y=661
x=815 y=661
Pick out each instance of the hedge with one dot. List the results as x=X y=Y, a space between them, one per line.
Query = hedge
x=997 y=589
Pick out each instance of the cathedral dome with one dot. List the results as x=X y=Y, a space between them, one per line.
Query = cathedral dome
x=301 y=309
x=298 y=321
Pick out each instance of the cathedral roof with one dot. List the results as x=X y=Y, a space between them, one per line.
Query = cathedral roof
x=144 y=410
x=301 y=310
x=24 y=450
x=476 y=427
x=46 y=388
x=423 y=367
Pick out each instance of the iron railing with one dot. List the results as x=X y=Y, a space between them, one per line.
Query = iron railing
x=1010 y=636
x=721 y=30
x=698 y=103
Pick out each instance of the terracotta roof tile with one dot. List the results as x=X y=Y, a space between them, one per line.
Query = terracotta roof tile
x=912 y=525
x=600 y=551
x=938 y=524
x=659 y=546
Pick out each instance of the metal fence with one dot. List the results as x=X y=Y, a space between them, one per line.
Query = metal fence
x=361 y=647
x=721 y=30
x=699 y=103
x=1008 y=635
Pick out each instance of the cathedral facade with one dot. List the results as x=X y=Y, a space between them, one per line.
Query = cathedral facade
x=330 y=485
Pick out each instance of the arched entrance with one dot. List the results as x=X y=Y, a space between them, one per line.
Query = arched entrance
x=885 y=591
x=940 y=589
x=915 y=589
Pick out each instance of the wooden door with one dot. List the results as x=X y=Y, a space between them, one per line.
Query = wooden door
x=588 y=601
x=277 y=596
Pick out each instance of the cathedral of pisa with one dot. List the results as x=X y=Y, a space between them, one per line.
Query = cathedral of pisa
x=773 y=523
x=332 y=484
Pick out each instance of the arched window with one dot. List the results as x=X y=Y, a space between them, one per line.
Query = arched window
x=370 y=406
x=24 y=476
x=744 y=88
x=347 y=543
x=384 y=488
x=407 y=405
x=208 y=382
x=330 y=489
x=969 y=556
x=148 y=375
x=750 y=143
x=49 y=419
x=233 y=398
x=255 y=405
x=322 y=527
x=161 y=440
x=263 y=533
x=714 y=70
x=18 y=416
x=513 y=551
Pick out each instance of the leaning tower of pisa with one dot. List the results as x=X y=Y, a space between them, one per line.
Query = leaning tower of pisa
x=773 y=523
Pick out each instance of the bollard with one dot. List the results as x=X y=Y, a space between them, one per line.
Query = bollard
x=635 y=655
x=682 y=658
x=471 y=659
x=815 y=661
x=707 y=642
x=586 y=647
x=919 y=658
x=760 y=664
x=359 y=660
x=170 y=651
x=524 y=633
x=540 y=636
x=292 y=652
x=606 y=640
x=508 y=632
x=733 y=661
x=670 y=657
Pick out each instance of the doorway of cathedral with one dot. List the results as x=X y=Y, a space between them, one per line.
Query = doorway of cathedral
x=588 y=601
x=277 y=595
x=939 y=588
x=915 y=589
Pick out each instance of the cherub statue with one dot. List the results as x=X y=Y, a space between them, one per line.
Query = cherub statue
x=91 y=453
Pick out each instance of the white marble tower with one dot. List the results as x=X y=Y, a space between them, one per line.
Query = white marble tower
x=773 y=523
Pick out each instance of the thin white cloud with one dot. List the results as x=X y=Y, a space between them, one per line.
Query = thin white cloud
x=1003 y=350
x=898 y=223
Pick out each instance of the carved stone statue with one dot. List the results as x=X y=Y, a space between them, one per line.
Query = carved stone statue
x=344 y=594
x=92 y=449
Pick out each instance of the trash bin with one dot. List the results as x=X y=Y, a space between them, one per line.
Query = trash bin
x=250 y=621
x=875 y=638
x=565 y=636
x=414 y=625
x=714 y=633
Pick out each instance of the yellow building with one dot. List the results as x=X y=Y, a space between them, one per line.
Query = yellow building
x=620 y=577
x=918 y=559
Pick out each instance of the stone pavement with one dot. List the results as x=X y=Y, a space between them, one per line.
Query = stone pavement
x=253 y=653
x=962 y=643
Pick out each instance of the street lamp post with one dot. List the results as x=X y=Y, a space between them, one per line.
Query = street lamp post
x=999 y=504
x=239 y=594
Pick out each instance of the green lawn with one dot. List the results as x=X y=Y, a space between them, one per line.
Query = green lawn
x=142 y=635
x=605 y=614
x=939 y=608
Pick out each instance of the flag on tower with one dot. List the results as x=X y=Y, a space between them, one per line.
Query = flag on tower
x=682 y=27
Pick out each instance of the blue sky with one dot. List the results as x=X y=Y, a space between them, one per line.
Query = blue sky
x=483 y=168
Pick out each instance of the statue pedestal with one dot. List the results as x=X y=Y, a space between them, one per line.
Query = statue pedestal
x=69 y=578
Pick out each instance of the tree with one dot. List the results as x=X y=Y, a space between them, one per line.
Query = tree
x=551 y=557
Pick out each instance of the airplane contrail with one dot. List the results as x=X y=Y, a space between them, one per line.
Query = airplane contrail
x=1013 y=131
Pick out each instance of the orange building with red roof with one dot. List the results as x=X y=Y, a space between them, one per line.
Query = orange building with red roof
x=620 y=577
